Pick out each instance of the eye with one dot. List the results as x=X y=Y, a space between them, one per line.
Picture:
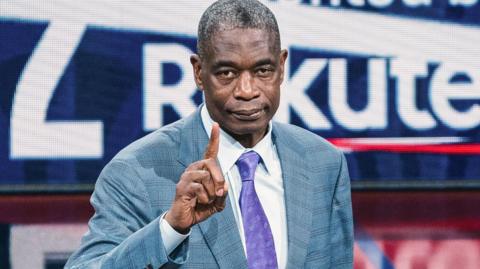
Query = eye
x=264 y=71
x=226 y=74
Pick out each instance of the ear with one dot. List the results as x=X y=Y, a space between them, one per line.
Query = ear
x=197 y=70
x=283 y=59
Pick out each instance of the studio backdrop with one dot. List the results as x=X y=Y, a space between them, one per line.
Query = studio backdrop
x=395 y=84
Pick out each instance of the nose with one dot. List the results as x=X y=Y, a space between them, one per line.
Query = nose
x=245 y=88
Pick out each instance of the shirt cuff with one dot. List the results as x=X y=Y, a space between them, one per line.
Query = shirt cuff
x=170 y=237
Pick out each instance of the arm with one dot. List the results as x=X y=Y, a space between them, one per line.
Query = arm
x=124 y=232
x=341 y=221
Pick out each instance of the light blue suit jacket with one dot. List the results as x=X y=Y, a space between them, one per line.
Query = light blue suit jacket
x=138 y=185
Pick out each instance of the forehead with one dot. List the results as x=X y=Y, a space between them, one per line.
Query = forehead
x=241 y=43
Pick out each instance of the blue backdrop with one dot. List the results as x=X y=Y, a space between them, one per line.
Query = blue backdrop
x=421 y=115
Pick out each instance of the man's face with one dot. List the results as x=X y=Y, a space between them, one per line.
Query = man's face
x=241 y=76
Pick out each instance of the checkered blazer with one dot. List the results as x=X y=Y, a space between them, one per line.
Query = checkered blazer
x=138 y=185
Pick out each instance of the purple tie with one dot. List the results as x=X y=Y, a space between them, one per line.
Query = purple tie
x=258 y=236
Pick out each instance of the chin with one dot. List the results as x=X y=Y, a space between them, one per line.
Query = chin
x=246 y=128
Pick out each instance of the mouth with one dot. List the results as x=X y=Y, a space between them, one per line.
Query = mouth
x=247 y=114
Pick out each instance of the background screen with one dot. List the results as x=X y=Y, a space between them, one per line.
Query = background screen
x=394 y=84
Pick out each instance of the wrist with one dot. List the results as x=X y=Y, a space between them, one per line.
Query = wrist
x=178 y=228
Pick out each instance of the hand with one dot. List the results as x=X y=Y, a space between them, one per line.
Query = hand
x=201 y=190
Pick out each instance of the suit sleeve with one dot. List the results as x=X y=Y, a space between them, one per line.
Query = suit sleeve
x=124 y=232
x=341 y=226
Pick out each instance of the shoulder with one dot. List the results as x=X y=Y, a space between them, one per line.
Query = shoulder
x=302 y=138
x=144 y=161
x=162 y=144
x=305 y=142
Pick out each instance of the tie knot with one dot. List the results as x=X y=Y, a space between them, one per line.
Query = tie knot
x=247 y=164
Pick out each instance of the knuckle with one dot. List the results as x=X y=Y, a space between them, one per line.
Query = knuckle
x=180 y=189
x=204 y=174
x=196 y=187
x=195 y=165
x=190 y=167
x=209 y=161
x=203 y=199
x=186 y=176
x=219 y=179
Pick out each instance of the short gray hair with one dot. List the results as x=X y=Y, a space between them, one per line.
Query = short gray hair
x=231 y=14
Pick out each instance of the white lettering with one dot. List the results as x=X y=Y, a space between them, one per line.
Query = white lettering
x=155 y=93
x=417 y=3
x=38 y=242
x=294 y=96
x=374 y=115
x=335 y=3
x=380 y=3
x=357 y=3
x=442 y=91
x=31 y=136
x=406 y=72
x=465 y=3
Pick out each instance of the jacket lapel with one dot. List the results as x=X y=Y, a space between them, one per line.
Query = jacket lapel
x=298 y=195
x=220 y=230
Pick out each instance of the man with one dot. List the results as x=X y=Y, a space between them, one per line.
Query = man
x=255 y=194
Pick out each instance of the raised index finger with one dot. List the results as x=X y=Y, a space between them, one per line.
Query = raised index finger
x=212 y=148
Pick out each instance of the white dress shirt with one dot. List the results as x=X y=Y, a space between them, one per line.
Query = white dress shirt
x=268 y=185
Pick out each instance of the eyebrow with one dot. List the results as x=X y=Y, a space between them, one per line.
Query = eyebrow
x=266 y=61
x=222 y=63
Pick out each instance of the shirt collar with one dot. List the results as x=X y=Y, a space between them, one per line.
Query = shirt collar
x=230 y=149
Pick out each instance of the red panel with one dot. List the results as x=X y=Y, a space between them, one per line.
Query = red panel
x=438 y=210
x=418 y=230
x=23 y=209
x=408 y=229
x=434 y=211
